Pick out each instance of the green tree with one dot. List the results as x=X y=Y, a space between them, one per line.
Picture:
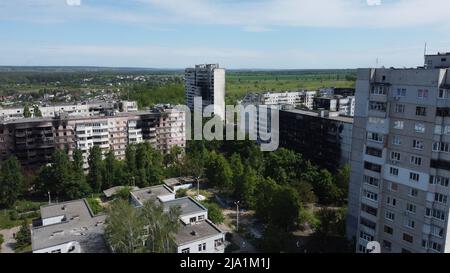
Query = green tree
x=215 y=213
x=245 y=187
x=305 y=192
x=95 y=176
x=325 y=189
x=23 y=237
x=37 y=111
x=26 y=111
x=161 y=227
x=237 y=169
x=264 y=197
x=218 y=171
x=285 y=208
x=11 y=181
x=342 y=179
x=282 y=166
x=124 y=228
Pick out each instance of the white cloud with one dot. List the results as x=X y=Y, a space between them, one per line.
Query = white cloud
x=374 y=2
x=73 y=2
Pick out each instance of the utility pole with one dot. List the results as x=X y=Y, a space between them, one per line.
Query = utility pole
x=198 y=186
x=49 y=198
x=237 y=215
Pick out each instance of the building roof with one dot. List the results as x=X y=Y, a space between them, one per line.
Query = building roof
x=187 y=205
x=79 y=225
x=171 y=182
x=316 y=114
x=113 y=191
x=151 y=193
x=199 y=231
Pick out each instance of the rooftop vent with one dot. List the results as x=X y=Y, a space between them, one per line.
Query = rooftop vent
x=193 y=233
x=63 y=207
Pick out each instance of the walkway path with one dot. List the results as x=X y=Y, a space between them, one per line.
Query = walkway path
x=9 y=241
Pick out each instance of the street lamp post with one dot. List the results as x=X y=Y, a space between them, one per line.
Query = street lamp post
x=237 y=214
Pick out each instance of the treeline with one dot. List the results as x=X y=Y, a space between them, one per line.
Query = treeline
x=66 y=179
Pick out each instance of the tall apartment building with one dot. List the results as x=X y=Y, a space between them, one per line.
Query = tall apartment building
x=34 y=140
x=400 y=161
x=321 y=137
x=208 y=82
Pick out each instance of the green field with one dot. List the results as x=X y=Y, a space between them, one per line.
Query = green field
x=240 y=83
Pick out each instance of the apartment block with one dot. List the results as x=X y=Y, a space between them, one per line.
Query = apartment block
x=400 y=160
x=87 y=109
x=321 y=137
x=208 y=82
x=33 y=140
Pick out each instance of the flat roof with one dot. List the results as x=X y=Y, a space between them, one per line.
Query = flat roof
x=178 y=181
x=199 y=231
x=316 y=114
x=186 y=204
x=79 y=225
x=151 y=193
x=112 y=191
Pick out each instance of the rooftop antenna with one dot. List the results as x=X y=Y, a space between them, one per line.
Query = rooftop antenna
x=376 y=65
x=425 y=55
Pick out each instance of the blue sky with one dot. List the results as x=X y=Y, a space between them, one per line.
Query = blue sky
x=282 y=34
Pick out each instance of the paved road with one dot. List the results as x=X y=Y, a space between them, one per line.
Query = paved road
x=9 y=241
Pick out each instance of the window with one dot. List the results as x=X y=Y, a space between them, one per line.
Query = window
x=421 y=111
x=367 y=223
x=414 y=176
x=443 y=93
x=435 y=213
x=371 y=180
x=407 y=238
x=415 y=160
x=393 y=171
x=422 y=93
x=439 y=180
x=401 y=92
x=390 y=216
x=375 y=137
x=387 y=245
x=366 y=236
x=418 y=144
x=193 y=220
x=391 y=201
x=201 y=217
x=372 y=167
x=419 y=128
x=374 y=152
x=409 y=223
x=202 y=247
x=378 y=90
x=399 y=108
x=186 y=250
x=411 y=208
x=431 y=245
x=441 y=147
x=413 y=192
x=388 y=230
x=393 y=186
x=377 y=106
x=370 y=195
x=442 y=111
x=440 y=198
x=395 y=156
x=437 y=231
x=368 y=209
x=399 y=125
x=396 y=140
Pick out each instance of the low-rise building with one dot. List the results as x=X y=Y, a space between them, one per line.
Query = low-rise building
x=69 y=227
